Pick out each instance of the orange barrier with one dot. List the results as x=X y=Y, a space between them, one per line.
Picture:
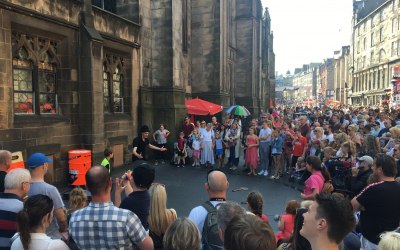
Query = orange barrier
x=79 y=162
x=17 y=161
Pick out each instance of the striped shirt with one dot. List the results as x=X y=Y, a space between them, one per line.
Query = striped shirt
x=101 y=225
x=10 y=205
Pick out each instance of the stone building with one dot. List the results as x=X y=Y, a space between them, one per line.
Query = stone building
x=86 y=74
x=342 y=74
x=305 y=82
x=375 y=48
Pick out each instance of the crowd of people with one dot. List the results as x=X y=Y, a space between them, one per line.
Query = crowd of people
x=346 y=157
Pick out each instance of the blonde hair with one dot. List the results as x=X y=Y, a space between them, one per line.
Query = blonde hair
x=395 y=131
x=77 y=199
x=389 y=241
x=320 y=129
x=183 y=234
x=160 y=217
x=341 y=138
x=352 y=127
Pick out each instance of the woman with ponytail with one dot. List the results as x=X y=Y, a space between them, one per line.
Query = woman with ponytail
x=33 y=221
x=255 y=203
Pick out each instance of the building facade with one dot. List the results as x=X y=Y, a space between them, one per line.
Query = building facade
x=342 y=74
x=87 y=74
x=305 y=83
x=375 y=49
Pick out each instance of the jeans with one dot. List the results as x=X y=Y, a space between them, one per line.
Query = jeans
x=265 y=149
x=232 y=157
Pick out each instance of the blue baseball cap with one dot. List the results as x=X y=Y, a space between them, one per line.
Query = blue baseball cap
x=38 y=159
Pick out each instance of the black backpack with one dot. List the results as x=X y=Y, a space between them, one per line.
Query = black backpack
x=210 y=236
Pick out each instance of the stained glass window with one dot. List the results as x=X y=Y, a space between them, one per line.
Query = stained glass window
x=106 y=90
x=23 y=84
x=117 y=92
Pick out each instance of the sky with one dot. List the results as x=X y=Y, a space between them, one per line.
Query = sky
x=308 y=31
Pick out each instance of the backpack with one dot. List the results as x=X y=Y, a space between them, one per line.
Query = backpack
x=210 y=236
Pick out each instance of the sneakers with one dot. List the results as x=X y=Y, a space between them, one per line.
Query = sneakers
x=265 y=173
x=272 y=177
x=194 y=164
x=261 y=172
x=163 y=162
x=277 y=177
x=156 y=163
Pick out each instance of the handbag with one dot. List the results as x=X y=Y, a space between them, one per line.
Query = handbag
x=230 y=144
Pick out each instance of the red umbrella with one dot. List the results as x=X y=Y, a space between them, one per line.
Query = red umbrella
x=200 y=107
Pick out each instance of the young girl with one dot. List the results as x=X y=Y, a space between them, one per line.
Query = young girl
x=277 y=144
x=181 y=148
x=219 y=149
x=196 y=150
x=252 y=143
x=286 y=222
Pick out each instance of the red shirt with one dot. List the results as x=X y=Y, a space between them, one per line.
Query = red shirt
x=299 y=146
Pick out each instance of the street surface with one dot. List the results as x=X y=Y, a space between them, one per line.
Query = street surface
x=185 y=188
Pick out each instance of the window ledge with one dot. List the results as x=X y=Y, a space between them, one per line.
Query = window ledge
x=120 y=116
x=39 y=119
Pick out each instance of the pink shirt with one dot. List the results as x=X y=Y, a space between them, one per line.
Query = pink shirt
x=315 y=181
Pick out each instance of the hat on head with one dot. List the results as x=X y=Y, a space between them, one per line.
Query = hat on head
x=37 y=160
x=144 y=129
x=143 y=175
x=367 y=159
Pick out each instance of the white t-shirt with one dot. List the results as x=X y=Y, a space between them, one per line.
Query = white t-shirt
x=264 y=132
x=208 y=135
x=40 y=241
x=199 y=214
x=196 y=145
x=330 y=138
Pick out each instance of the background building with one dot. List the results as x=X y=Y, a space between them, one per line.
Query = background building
x=375 y=49
x=88 y=74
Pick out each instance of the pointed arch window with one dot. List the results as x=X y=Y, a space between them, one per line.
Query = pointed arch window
x=34 y=75
x=113 y=83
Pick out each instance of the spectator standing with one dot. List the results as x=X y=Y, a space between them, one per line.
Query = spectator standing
x=219 y=149
x=196 y=150
x=101 y=224
x=160 y=137
x=137 y=195
x=38 y=164
x=249 y=232
x=255 y=204
x=108 y=155
x=299 y=147
x=17 y=183
x=226 y=212
x=329 y=219
x=141 y=143
x=233 y=140
x=276 y=151
x=396 y=155
x=286 y=222
x=160 y=217
x=379 y=203
x=216 y=187
x=389 y=241
x=265 y=147
x=77 y=200
x=33 y=221
x=315 y=182
x=187 y=128
x=252 y=152
x=288 y=146
x=5 y=163
x=208 y=139
x=182 y=234
x=181 y=150
x=216 y=126
x=297 y=241
x=360 y=174
x=304 y=127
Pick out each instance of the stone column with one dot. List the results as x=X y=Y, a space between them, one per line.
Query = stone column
x=6 y=86
x=91 y=108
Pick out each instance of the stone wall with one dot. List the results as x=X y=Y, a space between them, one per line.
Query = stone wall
x=80 y=121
